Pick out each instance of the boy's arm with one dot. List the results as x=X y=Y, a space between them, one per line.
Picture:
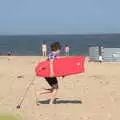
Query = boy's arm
x=51 y=68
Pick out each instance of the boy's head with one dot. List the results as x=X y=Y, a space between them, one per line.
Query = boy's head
x=55 y=47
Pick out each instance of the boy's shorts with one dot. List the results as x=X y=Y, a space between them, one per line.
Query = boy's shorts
x=52 y=81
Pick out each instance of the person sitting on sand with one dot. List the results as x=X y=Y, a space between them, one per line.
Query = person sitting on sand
x=52 y=81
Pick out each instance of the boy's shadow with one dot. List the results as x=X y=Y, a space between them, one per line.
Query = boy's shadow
x=62 y=102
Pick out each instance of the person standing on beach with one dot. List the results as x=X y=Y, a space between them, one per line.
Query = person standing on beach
x=44 y=49
x=9 y=53
x=67 y=49
x=100 y=59
x=52 y=81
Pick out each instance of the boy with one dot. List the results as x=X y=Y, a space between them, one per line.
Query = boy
x=52 y=81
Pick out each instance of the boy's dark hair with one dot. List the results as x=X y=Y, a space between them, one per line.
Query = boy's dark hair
x=55 y=46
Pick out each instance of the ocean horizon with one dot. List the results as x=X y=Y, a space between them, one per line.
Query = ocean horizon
x=30 y=45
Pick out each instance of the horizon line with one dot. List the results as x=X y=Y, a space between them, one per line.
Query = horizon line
x=60 y=34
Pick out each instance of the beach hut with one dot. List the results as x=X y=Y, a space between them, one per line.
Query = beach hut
x=108 y=54
x=111 y=54
x=95 y=51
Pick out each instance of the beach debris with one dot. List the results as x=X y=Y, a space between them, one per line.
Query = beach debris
x=20 y=76
x=18 y=106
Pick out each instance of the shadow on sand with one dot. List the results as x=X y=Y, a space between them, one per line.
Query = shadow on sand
x=61 y=102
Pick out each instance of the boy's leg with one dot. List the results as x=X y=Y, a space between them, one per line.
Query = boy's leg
x=38 y=93
x=54 y=84
x=54 y=93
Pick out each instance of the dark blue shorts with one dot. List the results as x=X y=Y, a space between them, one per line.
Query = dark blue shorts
x=52 y=81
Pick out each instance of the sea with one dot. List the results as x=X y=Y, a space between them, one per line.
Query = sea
x=30 y=45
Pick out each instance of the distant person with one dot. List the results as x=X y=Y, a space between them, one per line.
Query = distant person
x=67 y=49
x=9 y=53
x=100 y=58
x=44 y=49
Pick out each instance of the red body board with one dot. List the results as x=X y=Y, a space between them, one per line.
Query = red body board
x=61 y=66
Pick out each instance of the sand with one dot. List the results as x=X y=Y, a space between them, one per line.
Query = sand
x=93 y=95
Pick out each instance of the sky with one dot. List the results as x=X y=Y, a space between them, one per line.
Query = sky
x=59 y=16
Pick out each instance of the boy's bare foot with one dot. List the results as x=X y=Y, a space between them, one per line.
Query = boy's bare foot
x=53 y=101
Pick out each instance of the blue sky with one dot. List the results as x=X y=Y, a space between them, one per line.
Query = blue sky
x=59 y=16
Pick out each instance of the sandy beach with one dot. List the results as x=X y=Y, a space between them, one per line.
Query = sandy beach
x=93 y=95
